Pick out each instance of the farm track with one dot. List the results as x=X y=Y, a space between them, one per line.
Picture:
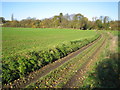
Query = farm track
x=77 y=79
x=22 y=83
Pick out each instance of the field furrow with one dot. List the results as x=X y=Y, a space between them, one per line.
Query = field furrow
x=22 y=54
x=60 y=75
x=32 y=77
x=56 y=61
x=78 y=78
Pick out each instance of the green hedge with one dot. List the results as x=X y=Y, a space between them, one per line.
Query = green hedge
x=18 y=66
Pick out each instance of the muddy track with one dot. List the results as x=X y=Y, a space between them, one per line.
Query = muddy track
x=77 y=79
x=34 y=76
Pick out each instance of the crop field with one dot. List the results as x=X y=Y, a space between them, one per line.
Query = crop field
x=20 y=40
x=45 y=45
x=56 y=58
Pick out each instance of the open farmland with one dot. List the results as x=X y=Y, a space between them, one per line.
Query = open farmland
x=52 y=58
x=20 y=40
x=59 y=45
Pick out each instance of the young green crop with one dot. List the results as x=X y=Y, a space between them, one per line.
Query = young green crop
x=29 y=59
x=20 y=40
x=58 y=77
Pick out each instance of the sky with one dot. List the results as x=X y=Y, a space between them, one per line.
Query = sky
x=41 y=10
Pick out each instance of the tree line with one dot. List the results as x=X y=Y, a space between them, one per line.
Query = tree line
x=75 y=21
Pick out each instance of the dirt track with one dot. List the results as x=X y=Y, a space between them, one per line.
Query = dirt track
x=78 y=78
x=32 y=77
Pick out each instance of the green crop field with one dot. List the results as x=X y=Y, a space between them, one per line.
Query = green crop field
x=65 y=50
x=19 y=40
x=28 y=49
x=49 y=56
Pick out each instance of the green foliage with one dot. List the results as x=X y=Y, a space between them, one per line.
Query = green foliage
x=105 y=74
x=2 y=20
x=58 y=77
x=75 y=21
x=19 y=65
x=22 y=40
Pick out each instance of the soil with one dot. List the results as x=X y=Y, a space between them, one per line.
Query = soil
x=77 y=79
x=34 y=76
x=113 y=43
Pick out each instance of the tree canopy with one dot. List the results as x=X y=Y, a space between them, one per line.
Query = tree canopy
x=75 y=21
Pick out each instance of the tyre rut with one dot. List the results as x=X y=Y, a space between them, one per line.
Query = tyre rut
x=78 y=77
x=22 y=83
